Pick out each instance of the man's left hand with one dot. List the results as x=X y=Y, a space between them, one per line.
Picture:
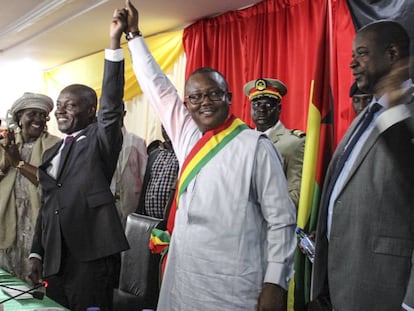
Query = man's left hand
x=118 y=26
x=11 y=149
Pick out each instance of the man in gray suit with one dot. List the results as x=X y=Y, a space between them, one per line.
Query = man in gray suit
x=79 y=236
x=365 y=235
x=265 y=96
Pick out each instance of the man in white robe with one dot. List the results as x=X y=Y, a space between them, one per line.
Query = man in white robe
x=233 y=241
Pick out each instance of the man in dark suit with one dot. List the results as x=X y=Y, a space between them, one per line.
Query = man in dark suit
x=365 y=235
x=78 y=235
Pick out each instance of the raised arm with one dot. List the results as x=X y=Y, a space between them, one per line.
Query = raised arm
x=111 y=102
x=159 y=90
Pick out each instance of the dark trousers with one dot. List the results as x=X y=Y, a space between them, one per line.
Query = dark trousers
x=79 y=285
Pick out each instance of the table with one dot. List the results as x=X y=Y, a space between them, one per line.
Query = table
x=29 y=304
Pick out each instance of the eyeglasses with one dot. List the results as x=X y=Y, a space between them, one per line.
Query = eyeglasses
x=198 y=98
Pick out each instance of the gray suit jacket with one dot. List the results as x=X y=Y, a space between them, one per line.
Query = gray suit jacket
x=368 y=261
x=78 y=206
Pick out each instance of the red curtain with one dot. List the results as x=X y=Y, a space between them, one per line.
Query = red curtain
x=342 y=34
x=284 y=39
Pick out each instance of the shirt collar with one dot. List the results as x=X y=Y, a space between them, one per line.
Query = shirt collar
x=74 y=134
x=278 y=124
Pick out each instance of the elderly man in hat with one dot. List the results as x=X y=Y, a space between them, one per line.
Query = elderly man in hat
x=20 y=155
x=360 y=99
x=265 y=96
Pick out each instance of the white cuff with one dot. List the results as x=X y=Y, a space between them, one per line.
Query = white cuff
x=114 y=55
x=34 y=255
x=408 y=308
x=279 y=274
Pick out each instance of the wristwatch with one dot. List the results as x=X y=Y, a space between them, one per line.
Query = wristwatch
x=132 y=34
x=20 y=164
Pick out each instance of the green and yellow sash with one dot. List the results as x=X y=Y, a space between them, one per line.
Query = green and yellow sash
x=203 y=151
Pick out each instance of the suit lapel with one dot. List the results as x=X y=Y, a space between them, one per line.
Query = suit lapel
x=331 y=169
x=341 y=146
x=371 y=140
x=47 y=181
x=64 y=154
x=51 y=153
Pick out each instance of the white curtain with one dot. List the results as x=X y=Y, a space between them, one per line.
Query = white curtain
x=140 y=118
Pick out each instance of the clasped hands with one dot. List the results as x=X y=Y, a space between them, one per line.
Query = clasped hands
x=124 y=20
x=11 y=149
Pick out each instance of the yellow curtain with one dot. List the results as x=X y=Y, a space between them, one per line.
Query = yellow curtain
x=166 y=48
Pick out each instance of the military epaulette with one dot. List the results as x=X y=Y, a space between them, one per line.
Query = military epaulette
x=298 y=133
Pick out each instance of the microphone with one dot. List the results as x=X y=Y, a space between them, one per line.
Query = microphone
x=31 y=291
x=36 y=294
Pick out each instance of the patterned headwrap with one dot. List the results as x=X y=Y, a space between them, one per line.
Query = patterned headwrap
x=31 y=100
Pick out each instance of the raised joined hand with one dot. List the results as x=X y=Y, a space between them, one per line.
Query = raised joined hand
x=133 y=17
x=118 y=26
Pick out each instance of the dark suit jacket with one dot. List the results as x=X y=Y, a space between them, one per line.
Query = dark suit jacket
x=78 y=206
x=368 y=261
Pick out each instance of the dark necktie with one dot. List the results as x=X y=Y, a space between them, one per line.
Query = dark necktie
x=65 y=150
x=359 y=130
x=68 y=139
